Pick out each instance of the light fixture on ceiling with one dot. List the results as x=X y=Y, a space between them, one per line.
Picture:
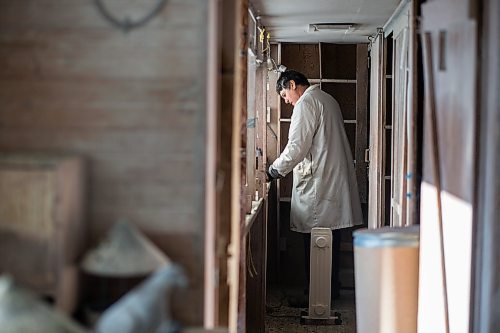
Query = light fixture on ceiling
x=318 y=27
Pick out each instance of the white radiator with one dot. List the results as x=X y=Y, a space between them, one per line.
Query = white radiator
x=319 y=312
x=321 y=271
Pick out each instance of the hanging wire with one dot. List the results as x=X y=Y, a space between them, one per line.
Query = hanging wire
x=127 y=24
x=272 y=131
x=252 y=271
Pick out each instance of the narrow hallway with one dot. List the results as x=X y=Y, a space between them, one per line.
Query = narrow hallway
x=281 y=317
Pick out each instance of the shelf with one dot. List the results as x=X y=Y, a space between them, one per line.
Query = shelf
x=285 y=120
x=350 y=121
x=339 y=81
x=285 y=199
x=250 y=218
x=316 y=81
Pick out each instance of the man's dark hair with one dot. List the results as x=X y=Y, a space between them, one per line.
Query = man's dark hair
x=288 y=75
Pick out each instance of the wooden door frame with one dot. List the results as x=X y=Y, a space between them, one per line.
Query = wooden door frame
x=400 y=23
x=237 y=246
x=403 y=16
x=221 y=264
x=377 y=128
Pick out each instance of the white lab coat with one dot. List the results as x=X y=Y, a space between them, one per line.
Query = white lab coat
x=325 y=190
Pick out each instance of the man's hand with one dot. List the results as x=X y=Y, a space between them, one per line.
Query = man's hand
x=272 y=174
x=268 y=176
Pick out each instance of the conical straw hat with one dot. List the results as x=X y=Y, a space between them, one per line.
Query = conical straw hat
x=21 y=311
x=126 y=252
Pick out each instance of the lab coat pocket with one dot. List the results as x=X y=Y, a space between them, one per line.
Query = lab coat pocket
x=304 y=175
x=304 y=168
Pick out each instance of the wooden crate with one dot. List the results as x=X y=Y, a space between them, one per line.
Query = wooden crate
x=41 y=222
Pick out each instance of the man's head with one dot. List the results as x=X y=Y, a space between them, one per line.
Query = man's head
x=291 y=85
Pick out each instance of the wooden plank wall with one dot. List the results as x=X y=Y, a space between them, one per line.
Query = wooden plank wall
x=132 y=103
x=361 y=140
x=256 y=272
x=224 y=158
x=449 y=150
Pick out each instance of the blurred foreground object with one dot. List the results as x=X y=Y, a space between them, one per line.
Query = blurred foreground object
x=41 y=222
x=20 y=311
x=145 y=308
x=124 y=253
x=386 y=276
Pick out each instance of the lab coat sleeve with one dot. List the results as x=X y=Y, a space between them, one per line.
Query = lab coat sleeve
x=300 y=137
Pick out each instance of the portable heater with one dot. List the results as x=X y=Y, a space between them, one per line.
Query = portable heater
x=319 y=311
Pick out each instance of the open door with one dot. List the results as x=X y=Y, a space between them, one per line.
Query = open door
x=377 y=129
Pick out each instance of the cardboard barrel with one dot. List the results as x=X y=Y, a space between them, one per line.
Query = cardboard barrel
x=386 y=277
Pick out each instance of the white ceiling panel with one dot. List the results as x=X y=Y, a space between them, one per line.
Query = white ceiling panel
x=289 y=20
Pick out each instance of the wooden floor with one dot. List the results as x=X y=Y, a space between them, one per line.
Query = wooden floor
x=281 y=317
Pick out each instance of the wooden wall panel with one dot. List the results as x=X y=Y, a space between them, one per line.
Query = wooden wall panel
x=286 y=109
x=361 y=143
x=96 y=104
x=338 y=61
x=350 y=130
x=449 y=149
x=132 y=103
x=256 y=272
x=251 y=129
x=54 y=14
x=301 y=57
x=345 y=94
x=286 y=183
x=273 y=101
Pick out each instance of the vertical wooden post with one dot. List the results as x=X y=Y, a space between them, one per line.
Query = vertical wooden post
x=412 y=109
x=361 y=120
x=227 y=260
x=238 y=169
x=211 y=299
x=377 y=131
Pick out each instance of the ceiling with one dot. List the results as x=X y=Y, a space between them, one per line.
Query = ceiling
x=288 y=20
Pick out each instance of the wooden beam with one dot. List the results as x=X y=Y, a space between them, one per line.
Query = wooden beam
x=237 y=247
x=224 y=166
x=211 y=287
x=361 y=120
x=412 y=120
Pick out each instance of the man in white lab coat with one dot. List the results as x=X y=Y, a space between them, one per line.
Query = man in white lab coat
x=324 y=192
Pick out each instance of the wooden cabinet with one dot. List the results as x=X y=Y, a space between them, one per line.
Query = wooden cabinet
x=342 y=71
x=41 y=222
